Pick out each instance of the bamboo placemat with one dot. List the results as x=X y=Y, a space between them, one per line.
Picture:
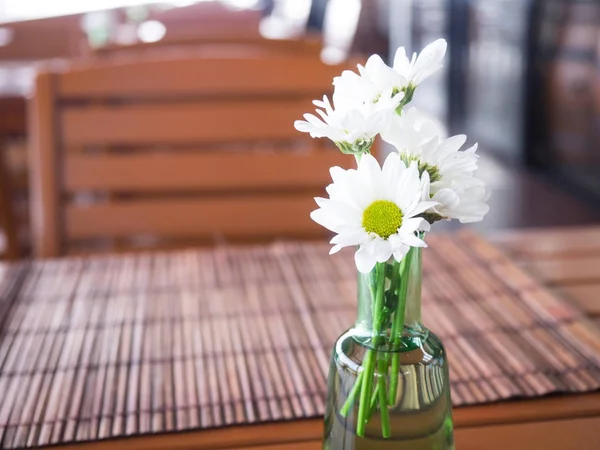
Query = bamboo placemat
x=124 y=345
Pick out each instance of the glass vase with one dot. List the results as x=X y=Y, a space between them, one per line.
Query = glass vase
x=388 y=385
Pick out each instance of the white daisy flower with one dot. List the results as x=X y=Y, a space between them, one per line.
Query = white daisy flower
x=420 y=67
x=352 y=126
x=465 y=202
x=352 y=90
x=364 y=103
x=375 y=208
x=406 y=74
x=413 y=128
x=384 y=79
x=451 y=172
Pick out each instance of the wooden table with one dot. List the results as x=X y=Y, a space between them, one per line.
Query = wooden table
x=565 y=259
x=568 y=261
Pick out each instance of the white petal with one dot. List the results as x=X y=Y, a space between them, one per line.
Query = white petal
x=370 y=175
x=475 y=216
x=410 y=226
x=322 y=202
x=394 y=133
x=335 y=249
x=389 y=175
x=303 y=126
x=378 y=72
x=412 y=240
x=401 y=62
x=364 y=260
x=325 y=219
x=420 y=208
x=446 y=198
x=346 y=212
x=311 y=118
x=452 y=144
x=400 y=251
x=424 y=226
x=337 y=173
x=322 y=114
x=342 y=181
x=408 y=188
x=347 y=239
x=430 y=60
x=381 y=248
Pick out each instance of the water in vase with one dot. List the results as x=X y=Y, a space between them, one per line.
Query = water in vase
x=420 y=415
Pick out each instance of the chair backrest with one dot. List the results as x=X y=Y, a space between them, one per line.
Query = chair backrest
x=206 y=18
x=30 y=40
x=181 y=149
x=240 y=43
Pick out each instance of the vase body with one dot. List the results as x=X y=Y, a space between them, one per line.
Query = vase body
x=391 y=364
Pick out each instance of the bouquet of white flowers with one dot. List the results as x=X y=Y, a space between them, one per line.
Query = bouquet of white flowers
x=385 y=211
x=373 y=102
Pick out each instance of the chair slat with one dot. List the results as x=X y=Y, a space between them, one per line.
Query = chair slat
x=230 y=76
x=260 y=215
x=188 y=171
x=177 y=123
x=43 y=179
x=241 y=41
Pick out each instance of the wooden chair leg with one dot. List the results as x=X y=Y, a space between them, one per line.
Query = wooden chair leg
x=7 y=212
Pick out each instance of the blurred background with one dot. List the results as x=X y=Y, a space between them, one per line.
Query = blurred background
x=521 y=78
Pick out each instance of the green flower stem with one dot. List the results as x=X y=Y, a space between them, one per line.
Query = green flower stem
x=373 y=403
x=369 y=362
x=395 y=277
x=382 y=365
x=394 y=379
x=398 y=325
x=383 y=408
x=363 y=406
x=370 y=389
x=350 y=400
x=359 y=379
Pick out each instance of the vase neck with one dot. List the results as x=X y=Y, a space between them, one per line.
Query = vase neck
x=389 y=301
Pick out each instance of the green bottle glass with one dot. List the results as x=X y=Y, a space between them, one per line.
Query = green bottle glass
x=388 y=385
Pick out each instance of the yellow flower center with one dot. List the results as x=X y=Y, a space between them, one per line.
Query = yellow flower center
x=382 y=217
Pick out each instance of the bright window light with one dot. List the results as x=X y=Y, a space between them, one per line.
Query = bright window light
x=6 y=36
x=151 y=31
x=29 y=9
x=241 y=4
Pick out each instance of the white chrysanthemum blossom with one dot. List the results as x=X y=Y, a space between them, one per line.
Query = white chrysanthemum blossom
x=413 y=128
x=405 y=75
x=421 y=66
x=458 y=193
x=375 y=208
x=351 y=89
x=352 y=126
x=377 y=73
x=464 y=201
x=364 y=103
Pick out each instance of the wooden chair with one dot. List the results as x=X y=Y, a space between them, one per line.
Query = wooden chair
x=12 y=114
x=7 y=215
x=192 y=149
